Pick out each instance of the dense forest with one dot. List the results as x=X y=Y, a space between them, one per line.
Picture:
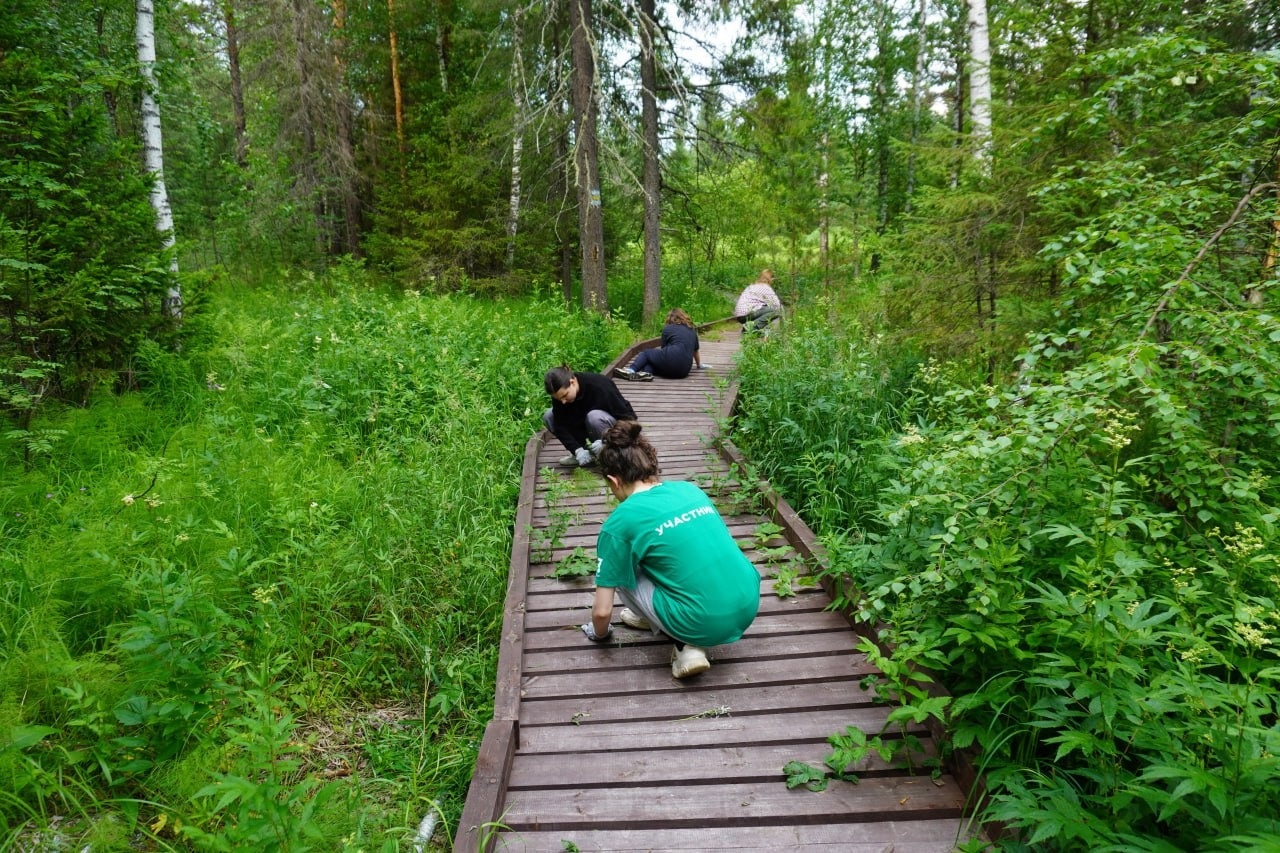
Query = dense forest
x=279 y=280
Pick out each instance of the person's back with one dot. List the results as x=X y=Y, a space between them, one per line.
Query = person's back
x=758 y=304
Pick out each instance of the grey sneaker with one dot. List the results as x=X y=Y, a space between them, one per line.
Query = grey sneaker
x=690 y=660
x=626 y=373
x=567 y=461
x=632 y=619
x=644 y=376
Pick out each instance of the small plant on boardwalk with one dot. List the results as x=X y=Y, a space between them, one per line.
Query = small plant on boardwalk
x=765 y=533
x=559 y=518
x=736 y=490
x=578 y=564
x=787 y=578
x=850 y=749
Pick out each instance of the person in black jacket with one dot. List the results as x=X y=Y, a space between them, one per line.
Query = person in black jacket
x=674 y=358
x=583 y=406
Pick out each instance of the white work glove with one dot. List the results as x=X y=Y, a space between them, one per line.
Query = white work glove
x=583 y=456
x=590 y=631
x=595 y=447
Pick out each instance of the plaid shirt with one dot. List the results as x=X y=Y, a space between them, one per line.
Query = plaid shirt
x=758 y=295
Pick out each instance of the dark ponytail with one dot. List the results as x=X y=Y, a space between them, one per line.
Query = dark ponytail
x=557 y=378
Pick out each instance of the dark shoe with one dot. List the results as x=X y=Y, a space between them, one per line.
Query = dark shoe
x=643 y=376
x=626 y=373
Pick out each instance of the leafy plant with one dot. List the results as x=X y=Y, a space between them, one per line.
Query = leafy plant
x=577 y=564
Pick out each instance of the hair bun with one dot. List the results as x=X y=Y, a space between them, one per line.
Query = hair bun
x=623 y=434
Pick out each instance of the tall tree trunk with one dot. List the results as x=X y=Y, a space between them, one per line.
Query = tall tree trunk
x=586 y=157
x=917 y=101
x=108 y=93
x=980 y=81
x=1270 y=265
x=393 y=43
x=153 y=147
x=517 y=137
x=237 y=89
x=346 y=166
x=824 y=208
x=307 y=121
x=444 y=41
x=652 y=175
x=556 y=96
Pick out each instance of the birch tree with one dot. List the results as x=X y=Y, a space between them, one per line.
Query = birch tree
x=153 y=148
x=652 y=179
x=517 y=136
x=979 y=81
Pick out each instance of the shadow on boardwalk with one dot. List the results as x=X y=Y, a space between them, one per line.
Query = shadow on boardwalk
x=598 y=748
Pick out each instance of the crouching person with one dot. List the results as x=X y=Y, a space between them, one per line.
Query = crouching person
x=668 y=555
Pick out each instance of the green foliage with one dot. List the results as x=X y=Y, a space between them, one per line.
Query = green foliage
x=1091 y=553
x=82 y=271
x=302 y=527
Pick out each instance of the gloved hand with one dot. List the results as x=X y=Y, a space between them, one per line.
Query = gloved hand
x=583 y=456
x=590 y=631
x=595 y=447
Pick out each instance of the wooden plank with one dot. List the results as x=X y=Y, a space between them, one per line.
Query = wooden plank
x=702 y=806
x=658 y=649
x=916 y=836
x=706 y=765
x=732 y=700
x=487 y=792
x=685 y=733
x=602 y=681
x=766 y=624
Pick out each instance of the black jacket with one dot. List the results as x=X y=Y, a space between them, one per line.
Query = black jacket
x=594 y=392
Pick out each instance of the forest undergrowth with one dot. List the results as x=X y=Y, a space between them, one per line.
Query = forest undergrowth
x=254 y=605
x=1085 y=554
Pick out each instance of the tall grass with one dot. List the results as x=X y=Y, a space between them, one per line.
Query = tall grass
x=257 y=604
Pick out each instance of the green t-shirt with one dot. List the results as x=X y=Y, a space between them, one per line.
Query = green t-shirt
x=707 y=591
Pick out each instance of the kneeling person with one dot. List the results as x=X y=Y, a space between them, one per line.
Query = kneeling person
x=668 y=555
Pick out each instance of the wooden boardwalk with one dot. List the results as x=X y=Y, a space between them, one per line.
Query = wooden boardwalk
x=598 y=748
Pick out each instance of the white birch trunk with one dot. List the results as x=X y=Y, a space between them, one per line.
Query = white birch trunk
x=980 y=79
x=152 y=147
x=517 y=139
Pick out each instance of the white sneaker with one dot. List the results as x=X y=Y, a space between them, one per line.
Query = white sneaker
x=632 y=619
x=690 y=660
x=568 y=461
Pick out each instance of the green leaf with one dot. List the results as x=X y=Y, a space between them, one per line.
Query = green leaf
x=799 y=773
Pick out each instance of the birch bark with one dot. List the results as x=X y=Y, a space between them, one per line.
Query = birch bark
x=153 y=148
x=979 y=80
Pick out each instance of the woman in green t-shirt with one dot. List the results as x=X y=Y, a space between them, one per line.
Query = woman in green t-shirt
x=669 y=556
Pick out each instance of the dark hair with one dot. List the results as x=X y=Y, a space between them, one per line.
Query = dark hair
x=557 y=378
x=677 y=316
x=628 y=455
